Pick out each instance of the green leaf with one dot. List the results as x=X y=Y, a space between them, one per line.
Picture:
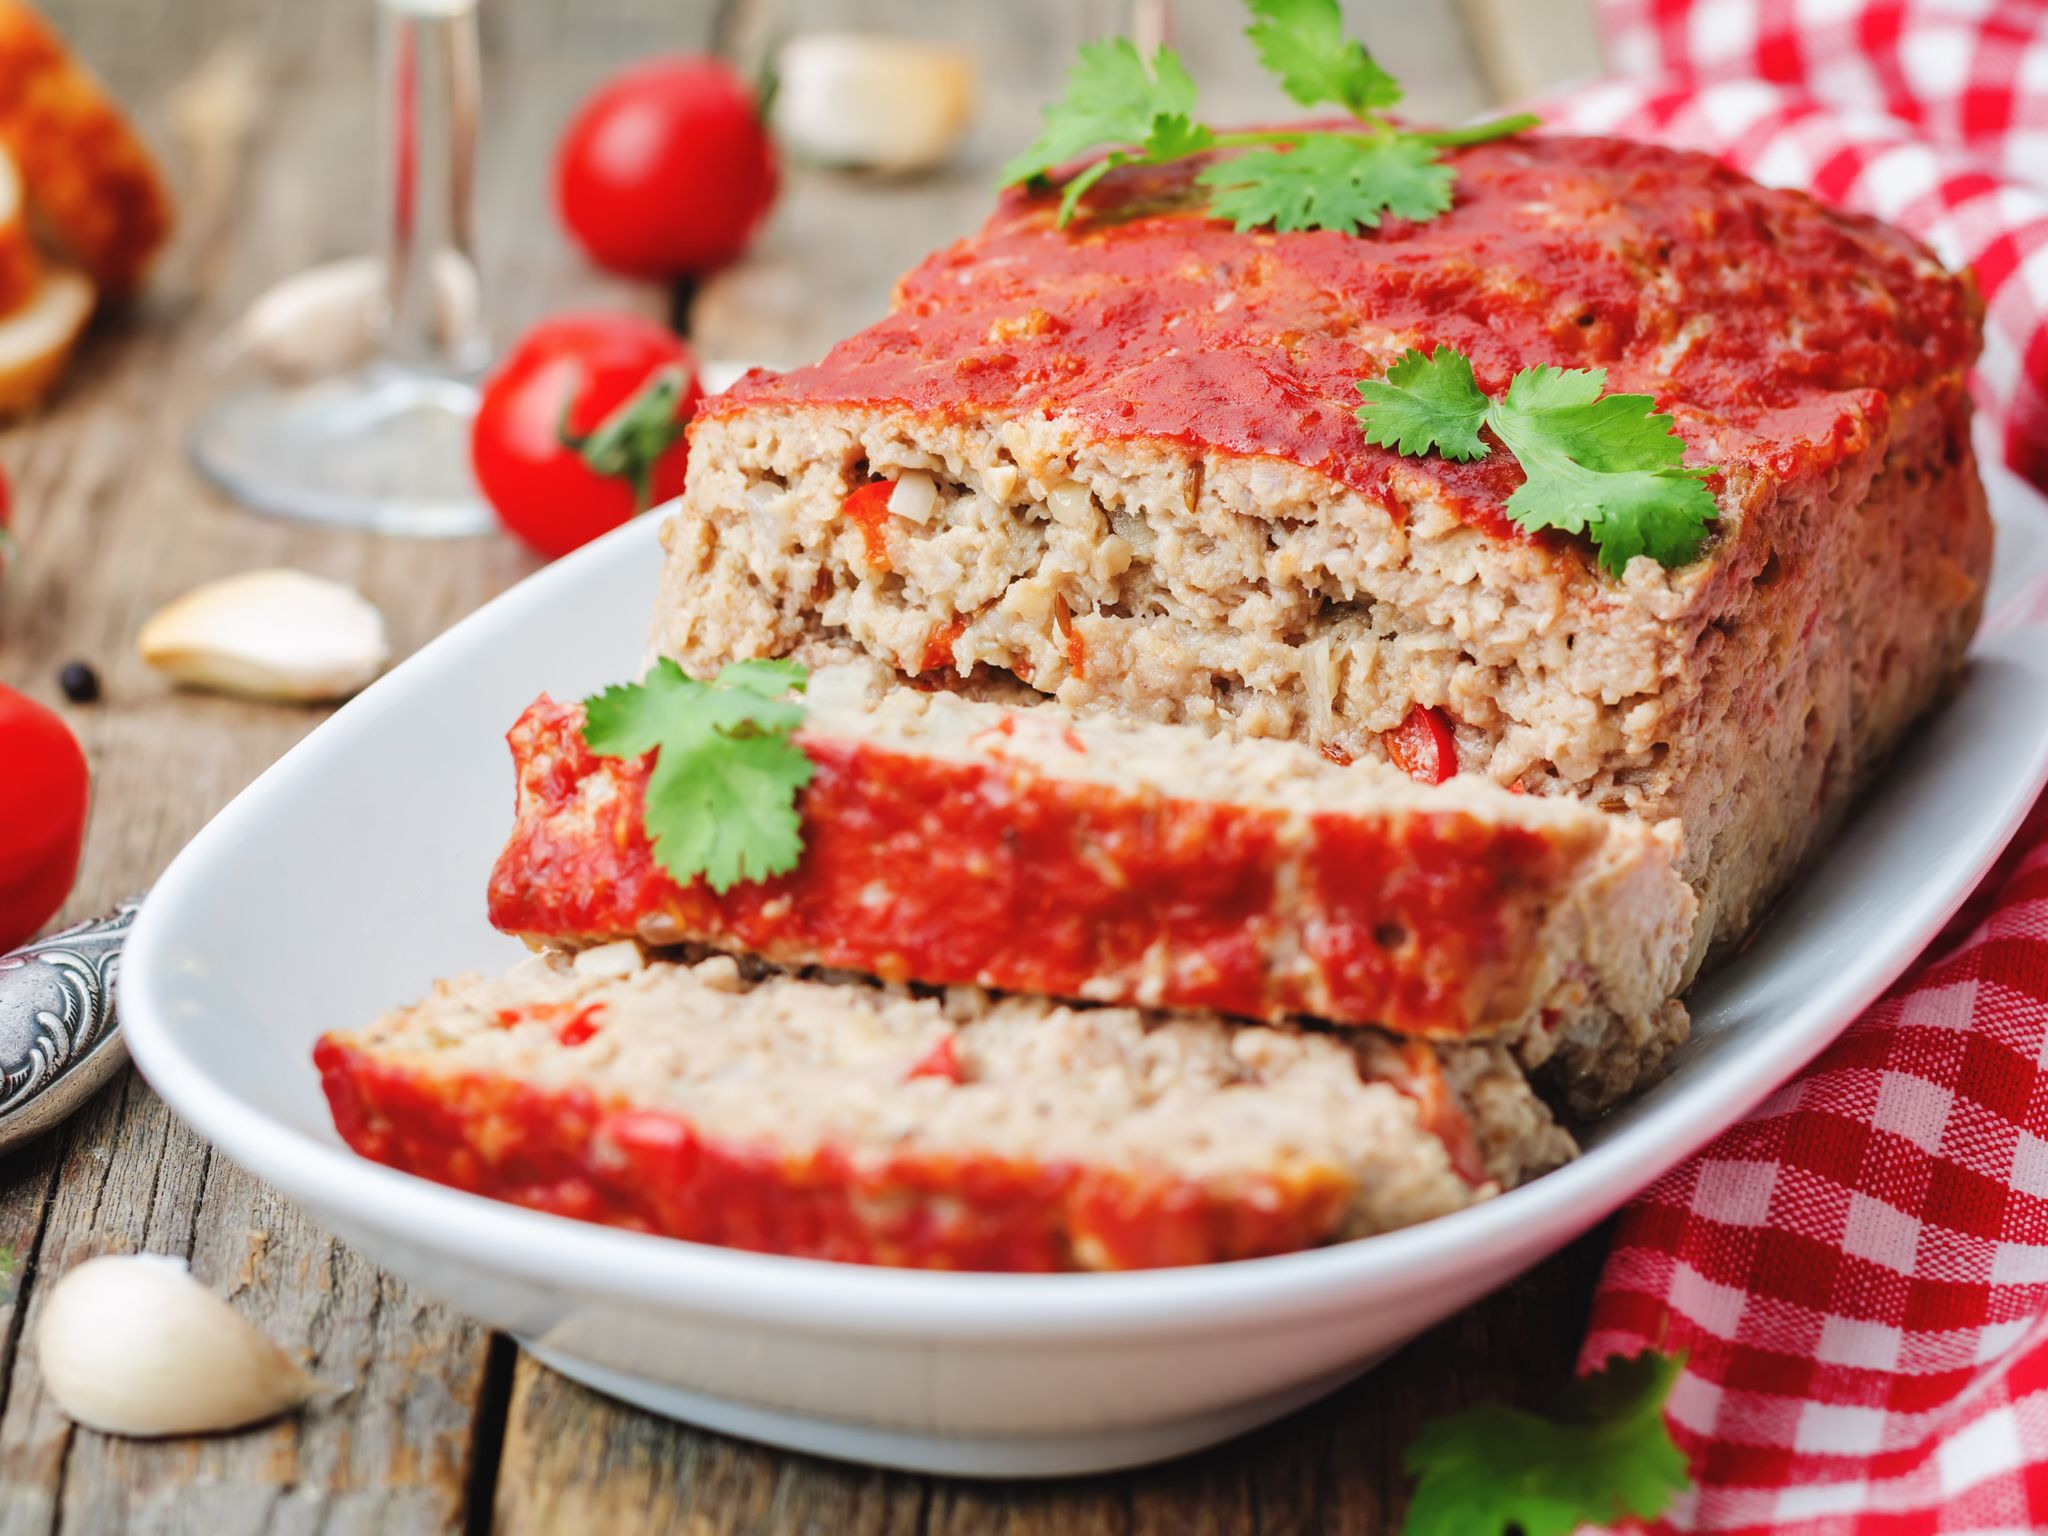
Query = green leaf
x=1082 y=180
x=770 y=678
x=1175 y=135
x=1111 y=100
x=1329 y=181
x=1303 y=42
x=1606 y=1456
x=721 y=799
x=1606 y=466
x=1426 y=403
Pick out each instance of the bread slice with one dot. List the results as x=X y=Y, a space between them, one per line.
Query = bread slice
x=1118 y=462
x=36 y=339
x=20 y=266
x=844 y=1120
x=92 y=183
x=953 y=841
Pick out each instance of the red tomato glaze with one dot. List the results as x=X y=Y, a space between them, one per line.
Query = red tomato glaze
x=1774 y=329
x=990 y=871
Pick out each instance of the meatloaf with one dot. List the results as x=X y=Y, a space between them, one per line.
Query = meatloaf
x=1028 y=849
x=1118 y=462
x=850 y=1121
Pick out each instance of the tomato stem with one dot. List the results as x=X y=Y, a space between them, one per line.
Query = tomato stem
x=629 y=442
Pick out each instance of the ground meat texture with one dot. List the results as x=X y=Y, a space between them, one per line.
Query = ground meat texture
x=1130 y=479
x=848 y=1121
x=950 y=841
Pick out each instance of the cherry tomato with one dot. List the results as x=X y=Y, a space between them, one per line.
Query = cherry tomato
x=666 y=170
x=1422 y=746
x=42 y=815
x=583 y=427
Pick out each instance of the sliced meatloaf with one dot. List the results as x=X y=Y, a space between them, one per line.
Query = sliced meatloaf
x=1119 y=463
x=1027 y=849
x=844 y=1120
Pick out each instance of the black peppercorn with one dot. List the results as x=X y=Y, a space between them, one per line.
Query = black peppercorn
x=80 y=683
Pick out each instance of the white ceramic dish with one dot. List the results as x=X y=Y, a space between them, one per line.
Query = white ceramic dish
x=353 y=872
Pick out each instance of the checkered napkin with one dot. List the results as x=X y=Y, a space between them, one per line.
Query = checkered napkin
x=1858 y=1273
x=1930 y=113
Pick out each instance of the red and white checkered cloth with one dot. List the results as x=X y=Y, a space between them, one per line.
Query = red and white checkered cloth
x=1858 y=1273
x=1932 y=114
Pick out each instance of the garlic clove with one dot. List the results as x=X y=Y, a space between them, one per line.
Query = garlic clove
x=274 y=634
x=872 y=102
x=914 y=496
x=323 y=320
x=131 y=1344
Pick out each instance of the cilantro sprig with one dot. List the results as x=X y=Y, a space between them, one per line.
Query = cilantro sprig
x=721 y=800
x=1606 y=1456
x=1607 y=466
x=1289 y=179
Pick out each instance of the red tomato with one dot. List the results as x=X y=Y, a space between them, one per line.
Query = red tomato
x=666 y=170
x=42 y=815
x=1422 y=746
x=583 y=427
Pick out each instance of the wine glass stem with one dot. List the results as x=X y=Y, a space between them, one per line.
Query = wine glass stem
x=428 y=74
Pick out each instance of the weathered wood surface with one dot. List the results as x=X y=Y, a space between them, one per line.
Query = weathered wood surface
x=261 y=110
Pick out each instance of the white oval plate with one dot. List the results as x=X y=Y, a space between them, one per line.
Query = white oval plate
x=353 y=872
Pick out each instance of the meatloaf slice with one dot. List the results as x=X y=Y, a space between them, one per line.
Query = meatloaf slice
x=1119 y=463
x=849 y=1121
x=951 y=841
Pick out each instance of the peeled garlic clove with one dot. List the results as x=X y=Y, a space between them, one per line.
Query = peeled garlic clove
x=277 y=634
x=133 y=1345
x=864 y=100
x=324 y=320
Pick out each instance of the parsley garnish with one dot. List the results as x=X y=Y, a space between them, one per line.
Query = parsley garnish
x=1608 y=466
x=1291 y=179
x=1606 y=1456
x=721 y=801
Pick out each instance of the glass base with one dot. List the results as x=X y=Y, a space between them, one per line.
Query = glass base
x=384 y=449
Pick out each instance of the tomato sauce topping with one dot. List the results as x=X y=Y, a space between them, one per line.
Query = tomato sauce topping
x=1775 y=330
x=991 y=871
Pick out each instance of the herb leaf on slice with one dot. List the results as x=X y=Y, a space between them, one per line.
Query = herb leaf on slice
x=1303 y=43
x=1606 y=1456
x=1330 y=181
x=721 y=799
x=1426 y=403
x=1604 y=465
x=1113 y=99
x=1610 y=467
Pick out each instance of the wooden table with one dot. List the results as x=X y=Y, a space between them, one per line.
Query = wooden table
x=261 y=110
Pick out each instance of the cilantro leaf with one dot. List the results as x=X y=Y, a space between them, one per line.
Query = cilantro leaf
x=1610 y=467
x=768 y=678
x=1112 y=99
x=1303 y=42
x=721 y=800
x=1130 y=112
x=1606 y=1456
x=1328 y=181
x=1426 y=402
